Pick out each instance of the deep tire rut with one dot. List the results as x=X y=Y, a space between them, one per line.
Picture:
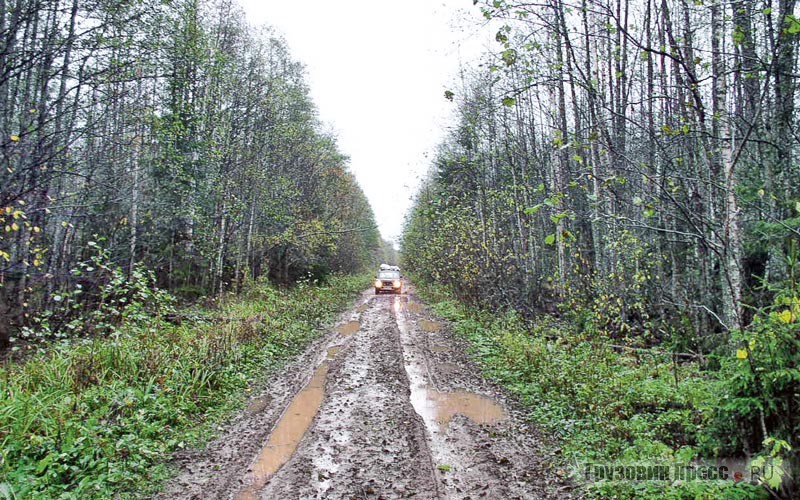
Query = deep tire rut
x=401 y=416
x=367 y=441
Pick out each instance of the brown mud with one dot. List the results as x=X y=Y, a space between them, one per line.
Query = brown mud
x=385 y=405
x=349 y=328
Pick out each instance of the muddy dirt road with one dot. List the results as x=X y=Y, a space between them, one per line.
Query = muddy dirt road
x=387 y=405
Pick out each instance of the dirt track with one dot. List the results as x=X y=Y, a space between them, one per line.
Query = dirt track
x=387 y=405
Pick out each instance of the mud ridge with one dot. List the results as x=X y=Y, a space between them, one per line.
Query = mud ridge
x=386 y=405
x=218 y=470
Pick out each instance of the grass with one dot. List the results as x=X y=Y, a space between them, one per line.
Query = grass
x=605 y=405
x=95 y=418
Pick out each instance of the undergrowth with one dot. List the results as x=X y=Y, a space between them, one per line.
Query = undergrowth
x=95 y=418
x=605 y=404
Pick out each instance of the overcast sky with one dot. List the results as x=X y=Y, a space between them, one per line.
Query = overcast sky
x=378 y=71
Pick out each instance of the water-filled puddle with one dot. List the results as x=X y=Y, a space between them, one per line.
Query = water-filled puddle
x=287 y=434
x=436 y=407
x=440 y=348
x=362 y=307
x=441 y=407
x=430 y=326
x=415 y=307
x=333 y=351
x=349 y=328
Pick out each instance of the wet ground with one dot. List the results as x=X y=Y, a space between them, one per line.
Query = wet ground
x=386 y=405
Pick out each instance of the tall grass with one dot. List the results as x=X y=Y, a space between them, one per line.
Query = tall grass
x=603 y=404
x=93 y=419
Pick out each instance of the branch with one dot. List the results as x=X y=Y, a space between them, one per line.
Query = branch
x=341 y=231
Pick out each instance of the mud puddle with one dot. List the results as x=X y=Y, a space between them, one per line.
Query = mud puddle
x=287 y=434
x=394 y=400
x=438 y=408
x=441 y=407
x=430 y=326
x=367 y=441
x=415 y=307
x=472 y=432
x=349 y=328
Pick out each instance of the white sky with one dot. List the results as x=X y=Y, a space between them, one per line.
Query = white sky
x=378 y=71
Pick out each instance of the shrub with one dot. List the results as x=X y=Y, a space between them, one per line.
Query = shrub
x=94 y=418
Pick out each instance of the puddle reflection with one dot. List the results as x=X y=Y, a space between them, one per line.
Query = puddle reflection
x=287 y=434
x=438 y=408
x=396 y=305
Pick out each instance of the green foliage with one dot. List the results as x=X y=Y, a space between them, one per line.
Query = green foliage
x=792 y=24
x=602 y=403
x=685 y=491
x=762 y=380
x=509 y=56
x=615 y=302
x=642 y=234
x=94 y=419
x=103 y=299
x=186 y=140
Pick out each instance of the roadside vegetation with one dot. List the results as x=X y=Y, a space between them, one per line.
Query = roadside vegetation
x=614 y=222
x=155 y=154
x=608 y=404
x=97 y=417
x=175 y=136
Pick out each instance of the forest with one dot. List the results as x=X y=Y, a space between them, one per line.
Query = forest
x=621 y=184
x=612 y=224
x=175 y=223
x=166 y=140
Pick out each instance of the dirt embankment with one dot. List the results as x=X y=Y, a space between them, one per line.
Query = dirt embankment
x=387 y=405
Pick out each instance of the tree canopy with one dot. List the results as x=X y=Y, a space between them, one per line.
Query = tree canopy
x=172 y=135
x=630 y=167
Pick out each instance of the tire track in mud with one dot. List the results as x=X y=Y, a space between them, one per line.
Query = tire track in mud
x=219 y=470
x=367 y=440
x=398 y=411
x=477 y=434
